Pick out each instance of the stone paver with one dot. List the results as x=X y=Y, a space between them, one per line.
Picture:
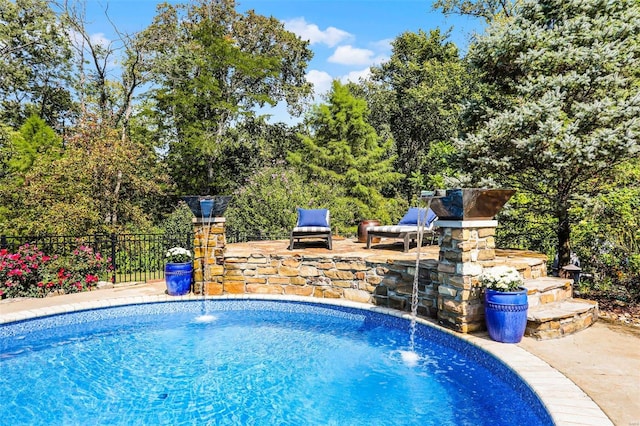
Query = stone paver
x=558 y=310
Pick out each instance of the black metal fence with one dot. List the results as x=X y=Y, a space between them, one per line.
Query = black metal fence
x=133 y=257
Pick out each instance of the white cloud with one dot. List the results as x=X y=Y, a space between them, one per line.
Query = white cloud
x=321 y=81
x=330 y=36
x=99 y=39
x=382 y=45
x=383 y=49
x=355 y=76
x=349 y=55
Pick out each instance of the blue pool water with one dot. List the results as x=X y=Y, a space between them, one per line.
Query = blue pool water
x=251 y=363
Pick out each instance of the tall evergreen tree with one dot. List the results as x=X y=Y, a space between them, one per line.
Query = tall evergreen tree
x=568 y=70
x=33 y=140
x=344 y=149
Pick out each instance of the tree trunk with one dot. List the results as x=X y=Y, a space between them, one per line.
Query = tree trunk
x=564 y=235
x=116 y=197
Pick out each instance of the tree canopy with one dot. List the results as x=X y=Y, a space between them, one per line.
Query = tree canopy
x=212 y=67
x=567 y=72
x=487 y=9
x=426 y=79
x=34 y=63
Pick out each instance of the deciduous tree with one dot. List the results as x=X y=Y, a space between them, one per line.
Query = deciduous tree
x=427 y=82
x=104 y=90
x=98 y=183
x=34 y=63
x=214 y=66
x=487 y=9
x=607 y=238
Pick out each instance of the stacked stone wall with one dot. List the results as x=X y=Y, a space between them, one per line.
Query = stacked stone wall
x=463 y=252
x=351 y=278
x=208 y=261
x=448 y=289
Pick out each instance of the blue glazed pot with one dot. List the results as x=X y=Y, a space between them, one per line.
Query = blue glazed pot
x=178 y=278
x=506 y=314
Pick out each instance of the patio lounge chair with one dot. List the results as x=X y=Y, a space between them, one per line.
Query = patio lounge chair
x=407 y=228
x=312 y=224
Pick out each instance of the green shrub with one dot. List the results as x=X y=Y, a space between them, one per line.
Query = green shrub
x=178 y=227
x=267 y=203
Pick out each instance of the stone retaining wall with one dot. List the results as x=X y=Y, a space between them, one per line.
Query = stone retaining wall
x=351 y=278
x=448 y=288
x=466 y=249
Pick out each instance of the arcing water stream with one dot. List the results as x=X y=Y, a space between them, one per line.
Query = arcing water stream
x=410 y=357
x=206 y=223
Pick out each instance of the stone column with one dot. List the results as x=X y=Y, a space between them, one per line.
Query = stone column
x=208 y=248
x=464 y=246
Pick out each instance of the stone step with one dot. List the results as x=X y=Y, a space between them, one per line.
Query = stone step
x=544 y=290
x=557 y=319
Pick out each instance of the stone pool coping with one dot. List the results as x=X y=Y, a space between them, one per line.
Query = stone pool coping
x=566 y=402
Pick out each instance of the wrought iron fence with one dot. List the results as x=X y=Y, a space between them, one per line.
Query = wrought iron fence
x=133 y=257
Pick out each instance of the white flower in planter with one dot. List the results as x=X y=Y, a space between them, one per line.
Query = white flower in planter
x=501 y=278
x=178 y=255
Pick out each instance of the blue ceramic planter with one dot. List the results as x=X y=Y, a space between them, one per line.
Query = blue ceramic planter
x=506 y=314
x=178 y=278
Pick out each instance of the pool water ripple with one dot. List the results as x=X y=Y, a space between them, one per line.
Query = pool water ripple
x=258 y=362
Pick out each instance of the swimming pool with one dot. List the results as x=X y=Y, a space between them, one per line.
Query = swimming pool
x=254 y=362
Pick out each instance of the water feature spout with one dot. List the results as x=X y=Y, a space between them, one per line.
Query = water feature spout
x=206 y=209
x=217 y=203
x=470 y=203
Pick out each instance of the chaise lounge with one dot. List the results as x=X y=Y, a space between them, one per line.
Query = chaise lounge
x=407 y=229
x=313 y=223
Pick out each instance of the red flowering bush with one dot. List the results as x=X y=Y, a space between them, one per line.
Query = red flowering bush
x=80 y=271
x=21 y=273
x=30 y=273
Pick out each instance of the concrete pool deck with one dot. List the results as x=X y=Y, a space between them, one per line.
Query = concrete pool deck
x=589 y=378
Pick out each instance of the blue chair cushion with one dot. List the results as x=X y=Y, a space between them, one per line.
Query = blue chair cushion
x=411 y=218
x=313 y=217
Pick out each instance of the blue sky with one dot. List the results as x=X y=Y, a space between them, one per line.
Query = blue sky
x=347 y=36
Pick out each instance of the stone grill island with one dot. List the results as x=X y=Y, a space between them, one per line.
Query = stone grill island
x=449 y=290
